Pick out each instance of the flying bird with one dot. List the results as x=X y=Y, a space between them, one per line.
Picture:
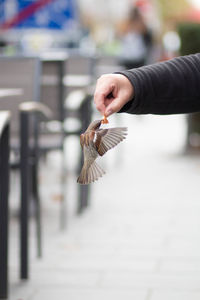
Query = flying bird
x=96 y=142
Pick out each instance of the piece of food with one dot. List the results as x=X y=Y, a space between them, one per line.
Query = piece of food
x=104 y=120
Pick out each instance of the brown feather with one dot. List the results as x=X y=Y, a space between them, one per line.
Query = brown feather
x=109 y=138
x=94 y=142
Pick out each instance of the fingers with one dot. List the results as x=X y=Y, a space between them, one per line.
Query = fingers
x=99 y=99
x=112 y=92
x=104 y=89
x=114 y=106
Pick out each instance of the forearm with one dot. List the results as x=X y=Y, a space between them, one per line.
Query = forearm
x=170 y=87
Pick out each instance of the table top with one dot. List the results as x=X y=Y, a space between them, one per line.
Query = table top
x=6 y=92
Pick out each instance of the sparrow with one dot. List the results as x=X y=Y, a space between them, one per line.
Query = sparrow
x=96 y=142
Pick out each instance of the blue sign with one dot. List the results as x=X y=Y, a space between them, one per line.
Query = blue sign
x=47 y=14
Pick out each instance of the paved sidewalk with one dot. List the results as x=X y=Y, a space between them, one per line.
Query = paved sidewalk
x=140 y=238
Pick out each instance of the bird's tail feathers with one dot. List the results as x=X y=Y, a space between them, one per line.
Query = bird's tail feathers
x=90 y=174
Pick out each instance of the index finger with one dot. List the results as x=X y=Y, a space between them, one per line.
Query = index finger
x=103 y=89
x=99 y=100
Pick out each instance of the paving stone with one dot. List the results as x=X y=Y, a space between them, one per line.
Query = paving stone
x=151 y=281
x=21 y=290
x=68 y=278
x=98 y=263
x=181 y=266
x=173 y=295
x=63 y=294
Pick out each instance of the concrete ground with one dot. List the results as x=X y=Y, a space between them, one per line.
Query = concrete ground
x=140 y=237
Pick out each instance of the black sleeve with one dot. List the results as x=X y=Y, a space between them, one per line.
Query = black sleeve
x=169 y=87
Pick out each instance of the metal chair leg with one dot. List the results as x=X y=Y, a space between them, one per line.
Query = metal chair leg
x=4 y=182
x=63 y=206
x=36 y=199
x=27 y=171
x=25 y=193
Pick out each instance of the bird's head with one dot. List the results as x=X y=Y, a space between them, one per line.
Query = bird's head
x=94 y=125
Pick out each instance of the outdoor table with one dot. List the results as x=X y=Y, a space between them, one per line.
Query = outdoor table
x=4 y=183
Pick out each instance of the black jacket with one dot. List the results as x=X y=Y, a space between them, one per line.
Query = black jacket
x=169 y=87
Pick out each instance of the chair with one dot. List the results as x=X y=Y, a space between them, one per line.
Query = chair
x=29 y=154
x=63 y=73
x=4 y=190
x=30 y=86
x=80 y=71
x=52 y=88
x=22 y=74
x=78 y=81
x=66 y=78
x=53 y=95
x=79 y=107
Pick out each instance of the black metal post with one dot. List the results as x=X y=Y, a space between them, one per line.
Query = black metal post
x=34 y=177
x=4 y=189
x=61 y=87
x=25 y=192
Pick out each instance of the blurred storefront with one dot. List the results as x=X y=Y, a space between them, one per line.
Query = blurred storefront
x=37 y=25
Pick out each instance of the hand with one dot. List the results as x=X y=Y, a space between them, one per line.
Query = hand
x=112 y=92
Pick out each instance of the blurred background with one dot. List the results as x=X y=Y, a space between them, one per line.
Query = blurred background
x=135 y=232
x=34 y=26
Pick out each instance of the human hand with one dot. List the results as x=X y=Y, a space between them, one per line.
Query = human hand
x=112 y=92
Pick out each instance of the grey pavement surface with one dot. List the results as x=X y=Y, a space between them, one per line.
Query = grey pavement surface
x=140 y=237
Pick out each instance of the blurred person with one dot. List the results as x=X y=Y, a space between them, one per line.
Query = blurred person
x=169 y=87
x=136 y=41
x=3 y=45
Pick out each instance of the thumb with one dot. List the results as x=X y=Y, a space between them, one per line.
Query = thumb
x=114 y=106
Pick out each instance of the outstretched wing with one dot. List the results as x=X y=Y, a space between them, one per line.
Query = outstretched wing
x=107 y=139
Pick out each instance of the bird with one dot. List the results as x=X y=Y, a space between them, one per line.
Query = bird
x=96 y=142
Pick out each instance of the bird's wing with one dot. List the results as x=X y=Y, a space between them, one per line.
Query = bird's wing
x=107 y=139
x=82 y=140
